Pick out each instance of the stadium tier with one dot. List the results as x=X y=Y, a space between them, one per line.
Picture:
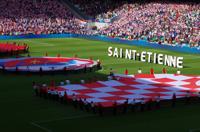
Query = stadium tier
x=172 y=23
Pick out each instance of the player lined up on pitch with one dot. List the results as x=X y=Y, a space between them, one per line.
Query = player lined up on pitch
x=117 y=105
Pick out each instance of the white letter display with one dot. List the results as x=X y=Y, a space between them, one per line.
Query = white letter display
x=146 y=56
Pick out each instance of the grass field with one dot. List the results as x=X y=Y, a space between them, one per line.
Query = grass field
x=21 y=111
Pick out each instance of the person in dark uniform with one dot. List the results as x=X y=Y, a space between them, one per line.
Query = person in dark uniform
x=49 y=93
x=61 y=98
x=81 y=104
x=133 y=105
x=86 y=105
x=45 y=90
x=142 y=104
x=93 y=107
x=35 y=88
x=158 y=102
x=3 y=68
x=111 y=72
x=187 y=97
x=65 y=97
x=40 y=90
x=46 y=54
x=125 y=106
x=90 y=69
x=100 y=109
x=41 y=71
x=174 y=100
x=56 y=94
x=74 y=101
x=115 y=108
x=99 y=65
x=16 y=69
x=28 y=55
x=65 y=69
x=85 y=69
x=149 y=104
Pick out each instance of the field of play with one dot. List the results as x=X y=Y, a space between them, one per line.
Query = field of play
x=22 y=111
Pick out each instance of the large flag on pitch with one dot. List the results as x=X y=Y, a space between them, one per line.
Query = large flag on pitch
x=135 y=87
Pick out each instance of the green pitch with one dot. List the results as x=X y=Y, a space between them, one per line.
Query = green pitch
x=21 y=111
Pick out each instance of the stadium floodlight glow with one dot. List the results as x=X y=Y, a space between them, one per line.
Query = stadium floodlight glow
x=146 y=56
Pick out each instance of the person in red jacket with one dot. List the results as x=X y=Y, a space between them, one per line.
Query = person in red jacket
x=151 y=71
x=164 y=71
x=126 y=72
x=58 y=55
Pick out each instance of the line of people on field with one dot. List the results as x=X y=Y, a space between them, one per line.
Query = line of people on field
x=132 y=105
x=13 y=48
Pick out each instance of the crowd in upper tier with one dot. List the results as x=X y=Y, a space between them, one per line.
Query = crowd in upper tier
x=161 y=22
x=158 y=22
x=36 y=17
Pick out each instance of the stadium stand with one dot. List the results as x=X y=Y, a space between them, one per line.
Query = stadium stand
x=161 y=22
x=36 y=17
x=169 y=23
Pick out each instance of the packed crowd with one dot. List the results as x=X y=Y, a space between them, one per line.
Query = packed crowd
x=168 y=23
x=36 y=17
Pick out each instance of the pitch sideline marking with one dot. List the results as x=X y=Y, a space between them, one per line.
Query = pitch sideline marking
x=36 y=124
x=193 y=130
x=41 y=127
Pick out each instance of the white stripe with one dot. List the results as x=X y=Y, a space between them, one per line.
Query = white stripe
x=41 y=127
x=194 y=130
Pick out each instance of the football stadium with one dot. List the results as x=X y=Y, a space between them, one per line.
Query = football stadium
x=99 y=65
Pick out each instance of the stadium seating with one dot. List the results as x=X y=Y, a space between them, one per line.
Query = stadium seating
x=161 y=22
x=168 y=23
x=36 y=17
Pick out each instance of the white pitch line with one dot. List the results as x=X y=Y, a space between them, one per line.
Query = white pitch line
x=194 y=130
x=36 y=124
x=41 y=127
